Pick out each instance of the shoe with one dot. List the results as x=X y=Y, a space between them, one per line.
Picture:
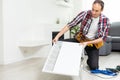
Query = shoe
x=118 y=67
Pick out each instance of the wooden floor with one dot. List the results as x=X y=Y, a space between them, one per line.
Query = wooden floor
x=31 y=69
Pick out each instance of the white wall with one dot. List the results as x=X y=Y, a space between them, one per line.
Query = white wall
x=29 y=20
x=110 y=9
x=22 y=21
x=1 y=34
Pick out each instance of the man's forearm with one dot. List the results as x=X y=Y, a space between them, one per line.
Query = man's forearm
x=65 y=29
x=95 y=41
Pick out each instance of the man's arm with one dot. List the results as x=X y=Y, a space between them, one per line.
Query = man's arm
x=92 y=42
x=65 y=29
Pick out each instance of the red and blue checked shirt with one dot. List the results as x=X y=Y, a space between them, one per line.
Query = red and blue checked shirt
x=85 y=18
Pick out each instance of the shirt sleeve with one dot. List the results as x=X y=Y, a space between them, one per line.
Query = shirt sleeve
x=106 y=27
x=76 y=20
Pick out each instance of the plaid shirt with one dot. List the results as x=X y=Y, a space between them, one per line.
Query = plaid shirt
x=85 y=18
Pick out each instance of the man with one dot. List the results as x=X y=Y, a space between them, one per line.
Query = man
x=95 y=26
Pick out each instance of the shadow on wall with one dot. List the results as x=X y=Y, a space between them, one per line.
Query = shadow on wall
x=29 y=51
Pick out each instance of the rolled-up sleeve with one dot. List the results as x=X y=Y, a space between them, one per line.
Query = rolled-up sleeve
x=77 y=19
x=106 y=27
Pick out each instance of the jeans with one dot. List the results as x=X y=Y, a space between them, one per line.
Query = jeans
x=93 y=57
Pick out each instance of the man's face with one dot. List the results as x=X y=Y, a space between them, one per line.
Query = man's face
x=96 y=10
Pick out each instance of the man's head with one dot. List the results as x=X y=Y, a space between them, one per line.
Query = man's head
x=97 y=8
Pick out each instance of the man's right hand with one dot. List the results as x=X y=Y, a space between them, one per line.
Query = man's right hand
x=65 y=29
x=55 y=40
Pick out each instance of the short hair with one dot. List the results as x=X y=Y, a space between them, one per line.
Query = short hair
x=99 y=2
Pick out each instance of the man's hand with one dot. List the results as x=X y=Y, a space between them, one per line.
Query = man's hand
x=55 y=40
x=65 y=29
